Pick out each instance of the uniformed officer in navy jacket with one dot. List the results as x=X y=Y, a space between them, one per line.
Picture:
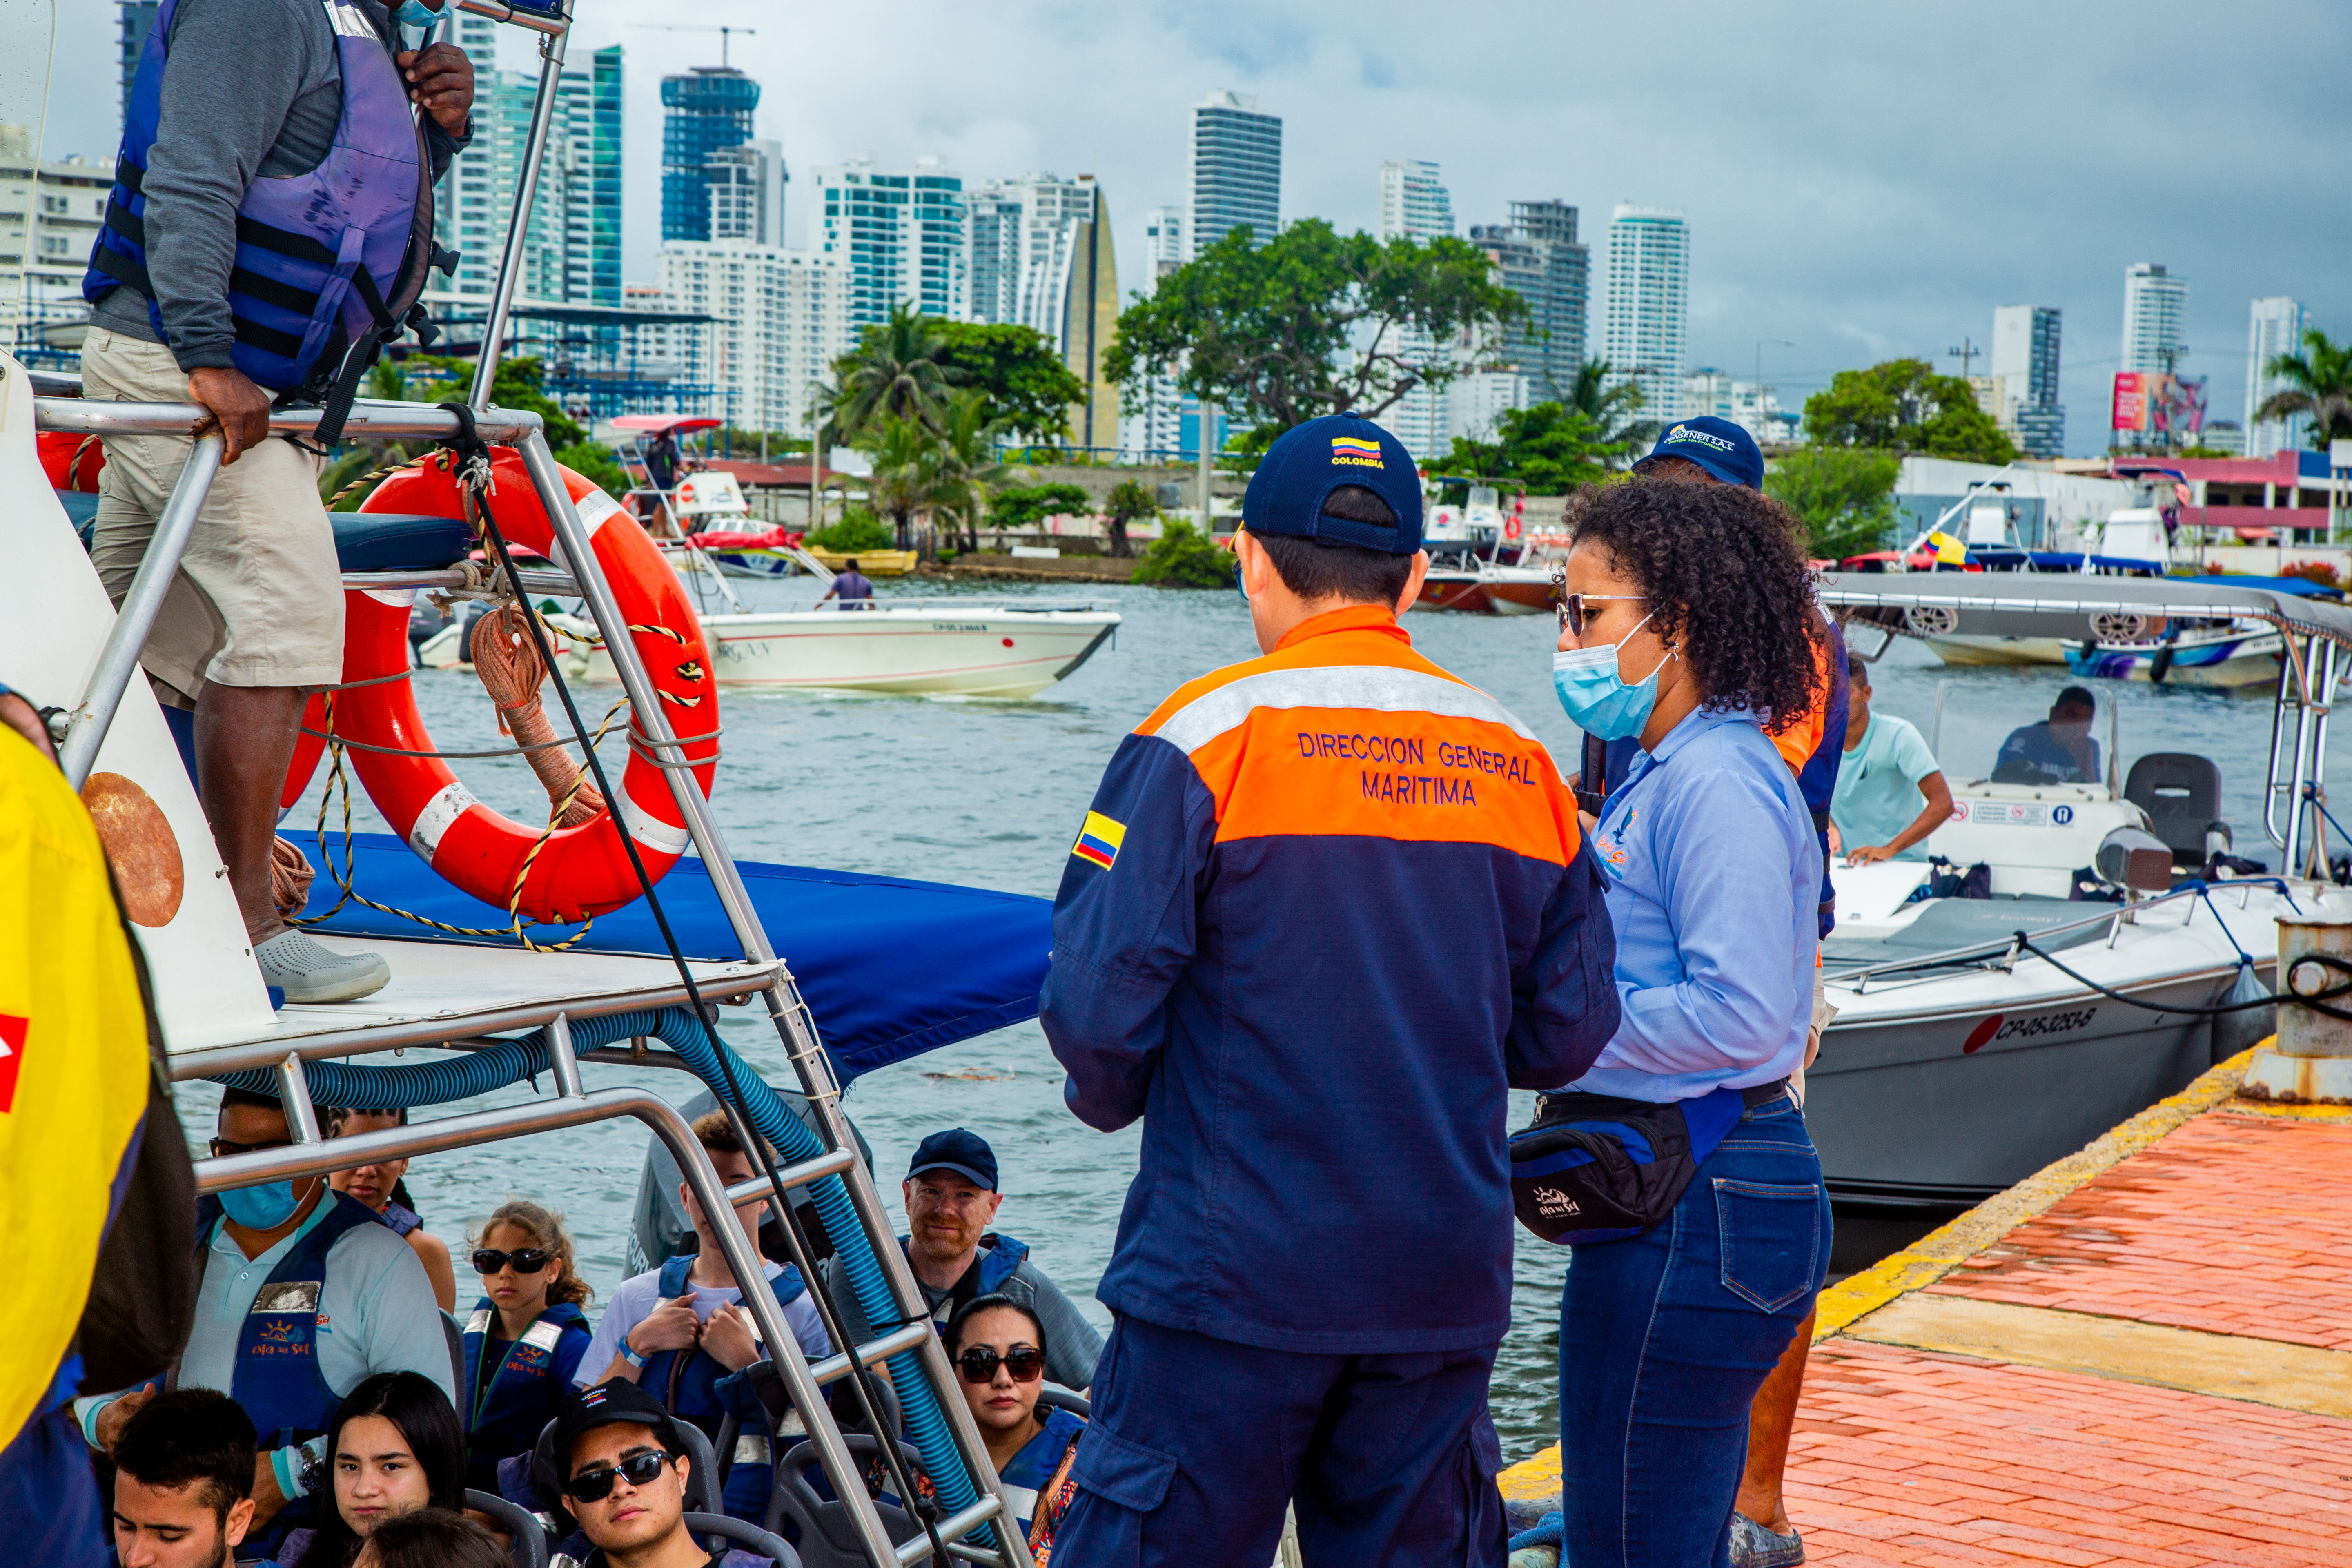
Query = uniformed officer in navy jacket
x=1328 y=906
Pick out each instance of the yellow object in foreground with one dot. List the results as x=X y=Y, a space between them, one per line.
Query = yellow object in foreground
x=73 y=1067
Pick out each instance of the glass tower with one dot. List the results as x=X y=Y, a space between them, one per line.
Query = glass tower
x=1648 y=313
x=708 y=109
x=1234 y=153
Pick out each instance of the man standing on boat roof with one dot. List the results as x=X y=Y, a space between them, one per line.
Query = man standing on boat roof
x=1329 y=905
x=271 y=222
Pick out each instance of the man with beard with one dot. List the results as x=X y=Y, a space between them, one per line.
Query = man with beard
x=183 y=1481
x=951 y=1197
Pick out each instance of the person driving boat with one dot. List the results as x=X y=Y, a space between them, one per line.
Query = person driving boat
x=2057 y=750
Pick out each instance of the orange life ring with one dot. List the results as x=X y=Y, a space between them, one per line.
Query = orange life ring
x=584 y=872
x=1511 y=526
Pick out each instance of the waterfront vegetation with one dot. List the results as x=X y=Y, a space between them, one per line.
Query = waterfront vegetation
x=1184 y=557
x=1844 y=494
x=1902 y=406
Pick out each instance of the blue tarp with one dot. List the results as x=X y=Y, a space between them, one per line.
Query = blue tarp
x=890 y=968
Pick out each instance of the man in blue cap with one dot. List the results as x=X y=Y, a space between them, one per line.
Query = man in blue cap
x=1708 y=451
x=951 y=1199
x=1330 y=904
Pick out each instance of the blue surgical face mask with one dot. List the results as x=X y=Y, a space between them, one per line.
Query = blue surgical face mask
x=265 y=1207
x=1597 y=697
x=416 y=14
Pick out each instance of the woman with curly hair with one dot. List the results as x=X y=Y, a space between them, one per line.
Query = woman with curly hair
x=1686 y=623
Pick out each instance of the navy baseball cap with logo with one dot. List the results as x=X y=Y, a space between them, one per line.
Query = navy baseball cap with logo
x=1308 y=462
x=1718 y=446
x=606 y=1404
x=966 y=1153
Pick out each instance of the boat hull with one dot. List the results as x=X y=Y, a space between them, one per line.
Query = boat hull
x=983 y=652
x=1973 y=652
x=2229 y=661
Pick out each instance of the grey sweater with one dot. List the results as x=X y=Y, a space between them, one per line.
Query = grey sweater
x=254 y=91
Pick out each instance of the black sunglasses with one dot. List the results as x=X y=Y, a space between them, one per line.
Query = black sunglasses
x=978 y=1364
x=526 y=1259
x=596 y=1485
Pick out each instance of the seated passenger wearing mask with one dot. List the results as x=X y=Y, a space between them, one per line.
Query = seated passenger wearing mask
x=2058 y=750
x=681 y=1331
x=183 y=1481
x=952 y=1195
x=304 y=1294
x=622 y=1476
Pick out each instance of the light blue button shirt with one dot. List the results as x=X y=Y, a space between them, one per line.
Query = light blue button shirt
x=376 y=1311
x=1714 y=872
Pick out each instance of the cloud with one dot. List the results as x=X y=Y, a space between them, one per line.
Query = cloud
x=1862 y=179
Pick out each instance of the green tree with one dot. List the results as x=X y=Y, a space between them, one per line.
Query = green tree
x=1903 y=406
x=1128 y=502
x=908 y=475
x=1844 y=494
x=858 y=530
x=894 y=372
x=1018 y=370
x=1019 y=509
x=595 y=461
x=1312 y=323
x=1184 y=557
x=968 y=469
x=1611 y=409
x=2318 y=386
x=1550 y=449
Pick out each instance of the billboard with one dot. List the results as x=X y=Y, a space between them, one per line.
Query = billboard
x=2156 y=403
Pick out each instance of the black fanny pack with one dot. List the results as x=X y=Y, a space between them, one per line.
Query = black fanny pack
x=1593 y=1168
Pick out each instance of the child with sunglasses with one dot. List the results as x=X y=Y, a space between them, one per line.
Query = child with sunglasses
x=995 y=1343
x=525 y=1340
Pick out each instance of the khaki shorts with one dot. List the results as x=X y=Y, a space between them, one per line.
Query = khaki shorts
x=259 y=600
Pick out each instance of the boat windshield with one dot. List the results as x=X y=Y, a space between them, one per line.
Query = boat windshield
x=2073 y=744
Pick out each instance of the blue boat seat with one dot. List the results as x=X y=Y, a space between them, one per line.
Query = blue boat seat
x=399 y=541
x=364 y=541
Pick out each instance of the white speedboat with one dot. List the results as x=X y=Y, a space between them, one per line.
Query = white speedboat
x=956 y=647
x=1959 y=1062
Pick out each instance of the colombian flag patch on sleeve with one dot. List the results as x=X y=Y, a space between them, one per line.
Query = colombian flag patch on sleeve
x=1099 y=839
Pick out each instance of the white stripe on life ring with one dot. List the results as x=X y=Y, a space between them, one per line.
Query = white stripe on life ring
x=650 y=830
x=595 y=509
x=444 y=808
x=398 y=598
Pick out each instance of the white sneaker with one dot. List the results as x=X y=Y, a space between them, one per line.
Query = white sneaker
x=309 y=973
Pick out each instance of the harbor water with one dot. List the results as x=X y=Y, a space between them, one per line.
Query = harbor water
x=989 y=794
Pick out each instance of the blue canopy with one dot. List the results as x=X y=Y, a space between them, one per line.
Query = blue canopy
x=890 y=968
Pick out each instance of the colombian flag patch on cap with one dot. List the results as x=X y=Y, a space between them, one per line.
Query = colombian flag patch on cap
x=1355 y=450
x=1099 y=839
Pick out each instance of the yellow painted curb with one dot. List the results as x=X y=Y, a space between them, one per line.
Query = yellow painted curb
x=1940 y=1251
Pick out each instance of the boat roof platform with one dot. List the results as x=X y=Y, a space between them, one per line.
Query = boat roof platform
x=2140 y=1354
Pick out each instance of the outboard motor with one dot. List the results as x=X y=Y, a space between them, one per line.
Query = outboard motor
x=2134 y=858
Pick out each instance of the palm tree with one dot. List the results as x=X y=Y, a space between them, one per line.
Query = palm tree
x=2319 y=384
x=1610 y=408
x=894 y=372
x=968 y=465
x=908 y=475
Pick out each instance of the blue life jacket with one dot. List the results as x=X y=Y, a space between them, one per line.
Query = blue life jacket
x=276 y=1379
x=325 y=262
x=1000 y=1256
x=688 y=1382
x=402 y=1218
x=1026 y=1474
x=509 y=1403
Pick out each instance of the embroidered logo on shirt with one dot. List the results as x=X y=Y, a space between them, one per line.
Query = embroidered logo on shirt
x=1099 y=839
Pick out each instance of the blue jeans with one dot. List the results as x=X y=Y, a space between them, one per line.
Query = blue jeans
x=1197 y=1443
x=1665 y=1338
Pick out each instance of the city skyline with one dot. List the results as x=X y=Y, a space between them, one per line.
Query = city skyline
x=1857 y=245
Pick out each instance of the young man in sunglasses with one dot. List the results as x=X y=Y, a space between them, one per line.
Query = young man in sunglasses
x=623 y=1479
x=304 y=1292
x=1328 y=906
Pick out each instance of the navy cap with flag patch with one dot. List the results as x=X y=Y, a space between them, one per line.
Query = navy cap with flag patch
x=1308 y=462
x=1721 y=448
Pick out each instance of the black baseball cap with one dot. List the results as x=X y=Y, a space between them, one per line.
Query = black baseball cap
x=607 y=1404
x=1721 y=448
x=1308 y=462
x=966 y=1153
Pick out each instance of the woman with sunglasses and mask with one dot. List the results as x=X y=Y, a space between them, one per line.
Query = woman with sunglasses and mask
x=395 y=1448
x=996 y=1346
x=525 y=1339
x=1685 y=624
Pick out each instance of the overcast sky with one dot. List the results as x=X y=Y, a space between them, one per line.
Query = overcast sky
x=1862 y=180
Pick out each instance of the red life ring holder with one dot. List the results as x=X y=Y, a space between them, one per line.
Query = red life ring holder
x=584 y=872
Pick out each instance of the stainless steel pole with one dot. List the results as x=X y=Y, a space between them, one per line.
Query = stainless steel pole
x=478 y=1127
x=502 y=294
x=119 y=660
x=785 y=1007
x=1208 y=466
